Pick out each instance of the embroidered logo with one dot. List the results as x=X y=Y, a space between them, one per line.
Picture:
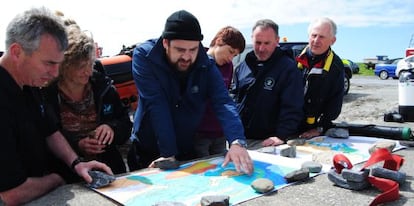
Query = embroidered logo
x=194 y=89
x=107 y=109
x=269 y=82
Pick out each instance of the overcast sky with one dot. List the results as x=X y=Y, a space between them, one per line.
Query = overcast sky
x=365 y=28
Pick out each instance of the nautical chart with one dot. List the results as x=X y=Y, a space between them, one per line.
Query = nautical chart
x=193 y=180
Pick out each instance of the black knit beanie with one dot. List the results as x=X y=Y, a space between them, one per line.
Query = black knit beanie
x=182 y=25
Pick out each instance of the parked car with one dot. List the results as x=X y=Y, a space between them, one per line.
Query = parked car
x=387 y=69
x=352 y=65
x=294 y=49
x=404 y=65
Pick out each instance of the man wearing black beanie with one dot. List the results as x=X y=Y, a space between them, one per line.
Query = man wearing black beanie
x=175 y=78
x=182 y=25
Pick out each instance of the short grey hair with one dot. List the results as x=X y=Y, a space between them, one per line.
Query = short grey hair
x=27 y=29
x=323 y=20
x=267 y=23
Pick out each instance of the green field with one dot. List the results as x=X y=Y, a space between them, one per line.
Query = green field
x=364 y=71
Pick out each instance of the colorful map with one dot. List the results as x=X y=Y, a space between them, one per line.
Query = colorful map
x=196 y=179
x=193 y=180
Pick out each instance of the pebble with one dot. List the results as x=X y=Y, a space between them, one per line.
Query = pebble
x=355 y=175
x=262 y=185
x=289 y=151
x=268 y=150
x=389 y=174
x=337 y=133
x=313 y=167
x=100 y=179
x=167 y=164
x=215 y=200
x=297 y=175
x=297 y=142
x=389 y=145
x=338 y=180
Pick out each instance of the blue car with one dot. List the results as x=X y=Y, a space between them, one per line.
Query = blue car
x=387 y=69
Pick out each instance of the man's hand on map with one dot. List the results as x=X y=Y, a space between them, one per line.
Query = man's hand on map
x=272 y=141
x=83 y=168
x=240 y=158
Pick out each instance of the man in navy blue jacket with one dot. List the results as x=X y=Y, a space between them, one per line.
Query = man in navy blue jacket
x=268 y=89
x=175 y=78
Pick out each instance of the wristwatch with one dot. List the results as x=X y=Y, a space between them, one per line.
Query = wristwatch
x=240 y=142
x=75 y=162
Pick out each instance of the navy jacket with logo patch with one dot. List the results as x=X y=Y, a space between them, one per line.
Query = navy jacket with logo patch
x=269 y=96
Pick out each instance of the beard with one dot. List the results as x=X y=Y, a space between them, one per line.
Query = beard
x=182 y=65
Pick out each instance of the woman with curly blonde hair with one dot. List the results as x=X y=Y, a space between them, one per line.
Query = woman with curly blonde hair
x=88 y=108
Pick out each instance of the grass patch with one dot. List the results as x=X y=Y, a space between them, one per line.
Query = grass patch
x=364 y=71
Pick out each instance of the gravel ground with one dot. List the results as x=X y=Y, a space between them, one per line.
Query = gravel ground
x=368 y=99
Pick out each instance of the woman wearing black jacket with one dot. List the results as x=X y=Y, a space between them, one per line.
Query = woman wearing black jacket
x=87 y=107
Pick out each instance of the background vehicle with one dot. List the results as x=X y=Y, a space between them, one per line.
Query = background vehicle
x=371 y=62
x=410 y=49
x=352 y=65
x=294 y=49
x=404 y=65
x=118 y=68
x=387 y=69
